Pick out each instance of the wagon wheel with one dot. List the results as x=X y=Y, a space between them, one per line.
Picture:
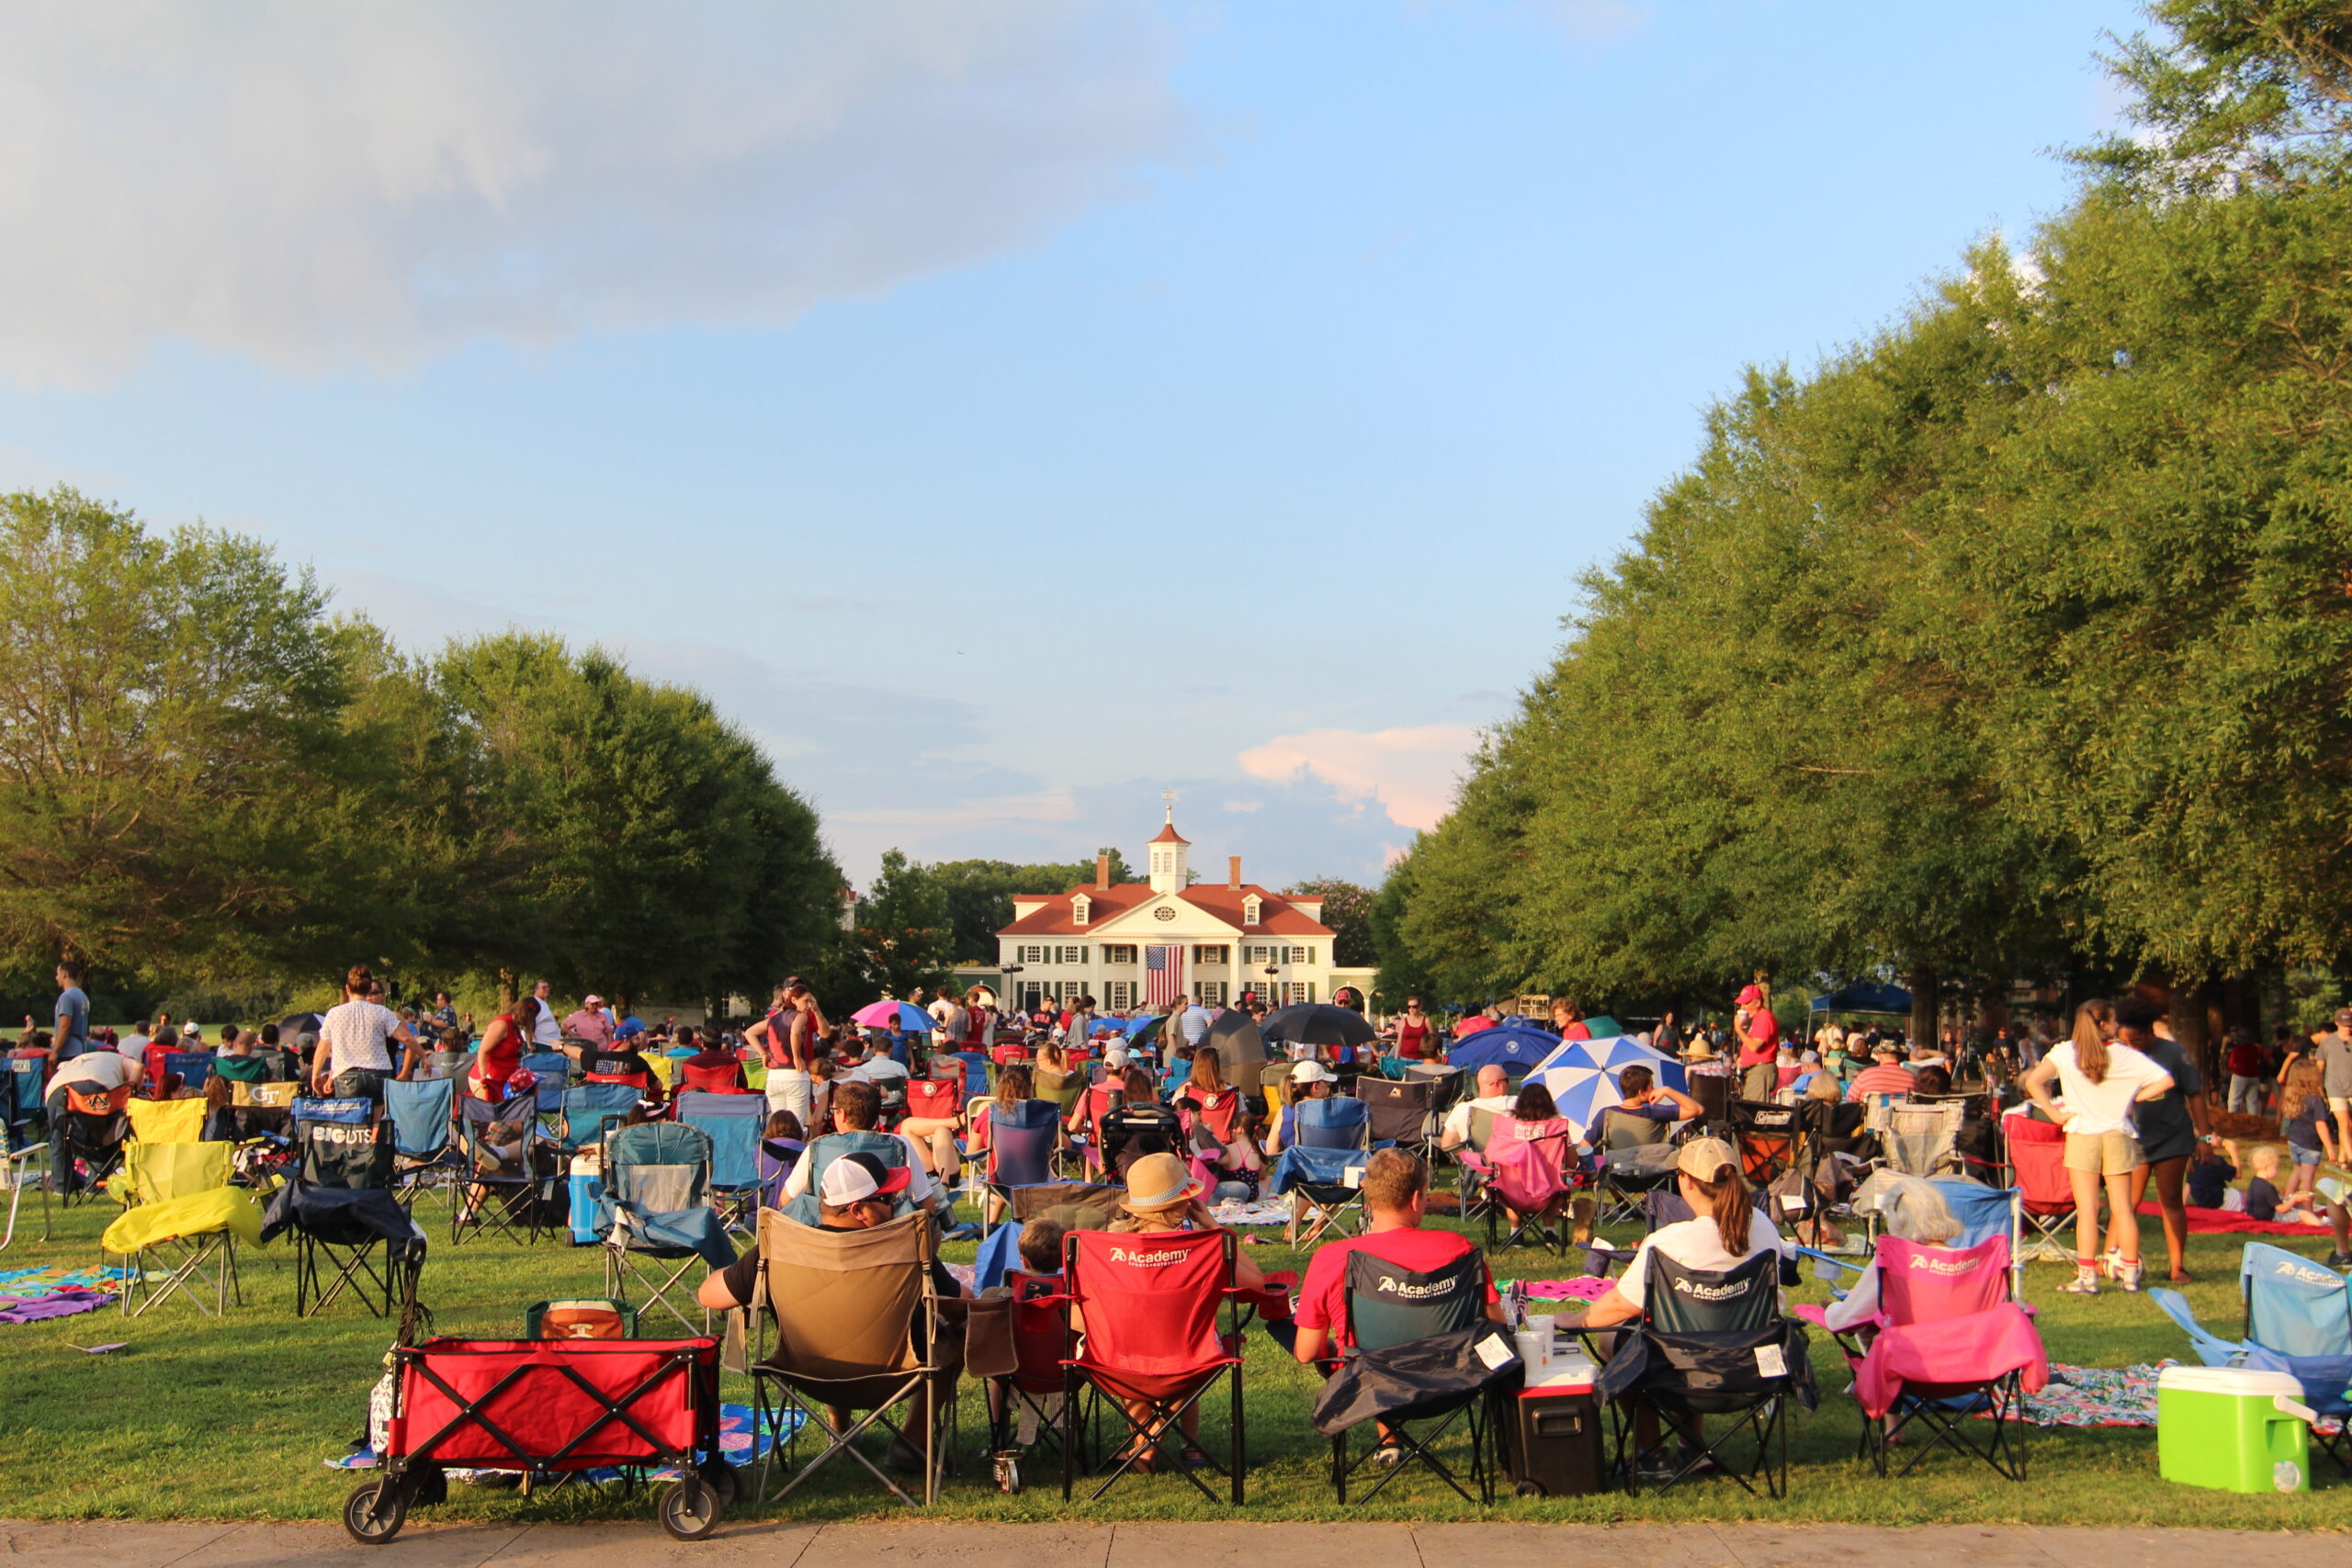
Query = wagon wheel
x=374 y=1511
x=689 y=1508
x=723 y=1480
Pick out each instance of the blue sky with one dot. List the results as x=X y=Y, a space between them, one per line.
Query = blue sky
x=1007 y=412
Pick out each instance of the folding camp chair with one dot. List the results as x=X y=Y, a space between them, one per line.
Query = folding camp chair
x=1274 y=1088
x=938 y=1098
x=732 y=1122
x=1922 y=1137
x=187 y=1070
x=1152 y=1335
x=1768 y=1136
x=1635 y=1157
x=585 y=1113
x=184 y=1217
x=1403 y=1112
x=1129 y=1131
x=552 y=1071
x=2298 y=1321
x=1022 y=1141
x=1950 y=1345
x=1714 y=1093
x=857 y=1327
x=507 y=1171
x=21 y=1101
x=887 y=1147
x=1710 y=1344
x=1526 y=1183
x=657 y=1191
x=1322 y=1172
x=1413 y=1344
x=2037 y=1159
x=91 y=1130
x=1446 y=1083
x=424 y=1158
x=1025 y=1405
x=349 y=1231
x=978 y=1081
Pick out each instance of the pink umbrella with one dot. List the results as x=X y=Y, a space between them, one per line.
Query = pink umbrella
x=888 y=1014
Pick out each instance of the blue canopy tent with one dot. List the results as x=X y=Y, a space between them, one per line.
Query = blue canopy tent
x=1865 y=996
x=1515 y=1050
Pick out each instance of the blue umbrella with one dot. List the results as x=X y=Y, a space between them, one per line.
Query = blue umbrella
x=1582 y=1093
x=1619 y=1051
x=1518 y=1049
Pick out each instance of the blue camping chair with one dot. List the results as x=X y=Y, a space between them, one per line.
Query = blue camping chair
x=822 y=1151
x=657 y=1211
x=1022 y=1143
x=22 y=1106
x=553 y=1069
x=423 y=1157
x=582 y=1115
x=975 y=1073
x=1331 y=1140
x=733 y=1123
x=506 y=1168
x=2298 y=1321
x=192 y=1066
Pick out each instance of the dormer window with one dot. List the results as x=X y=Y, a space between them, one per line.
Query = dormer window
x=1250 y=910
x=1078 y=907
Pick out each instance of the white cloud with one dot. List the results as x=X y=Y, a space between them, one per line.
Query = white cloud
x=319 y=183
x=1411 y=772
x=1581 y=22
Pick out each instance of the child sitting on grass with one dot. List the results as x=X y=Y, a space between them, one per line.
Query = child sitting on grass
x=2210 y=1173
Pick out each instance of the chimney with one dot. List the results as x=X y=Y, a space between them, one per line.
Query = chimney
x=1233 y=872
x=1102 y=870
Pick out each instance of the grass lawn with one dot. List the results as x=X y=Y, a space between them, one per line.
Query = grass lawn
x=230 y=1420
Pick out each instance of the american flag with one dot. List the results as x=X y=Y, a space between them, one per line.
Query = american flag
x=1164 y=981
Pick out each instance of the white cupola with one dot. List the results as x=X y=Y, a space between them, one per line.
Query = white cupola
x=1171 y=872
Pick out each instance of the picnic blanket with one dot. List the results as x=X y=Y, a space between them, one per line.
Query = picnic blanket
x=2096 y=1396
x=36 y=1295
x=1583 y=1288
x=1265 y=1212
x=2212 y=1222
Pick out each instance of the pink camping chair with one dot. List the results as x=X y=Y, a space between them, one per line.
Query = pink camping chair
x=1948 y=1344
x=1527 y=1177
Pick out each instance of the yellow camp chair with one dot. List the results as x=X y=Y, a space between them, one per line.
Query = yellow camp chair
x=182 y=1223
x=166 y=1120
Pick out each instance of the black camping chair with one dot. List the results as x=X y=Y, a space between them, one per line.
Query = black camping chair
x=349 y=1230
x=1130 y=1132
x=1710 y=1344
x=1422 y=1350
x=1635 y=1160
x=1404 y=1112
x=1768 y=1136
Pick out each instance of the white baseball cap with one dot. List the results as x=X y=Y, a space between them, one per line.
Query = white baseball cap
x=1310 y=1072
x=855 y=1177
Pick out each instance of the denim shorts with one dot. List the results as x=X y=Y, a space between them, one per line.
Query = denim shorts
x=2303 y=1156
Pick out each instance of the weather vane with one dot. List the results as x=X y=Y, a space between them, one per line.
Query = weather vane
x=1170 y=796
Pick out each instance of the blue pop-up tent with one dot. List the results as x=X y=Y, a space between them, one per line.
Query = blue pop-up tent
x=1866 y=996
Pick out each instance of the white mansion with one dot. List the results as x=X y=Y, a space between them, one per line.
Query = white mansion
x=1130 y=944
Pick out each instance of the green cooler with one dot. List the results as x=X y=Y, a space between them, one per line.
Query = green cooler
x=2232 y=1428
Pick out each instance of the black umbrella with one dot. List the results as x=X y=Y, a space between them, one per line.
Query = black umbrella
x=297 y=1023
x=1237 y=1041
x=1317 y=1023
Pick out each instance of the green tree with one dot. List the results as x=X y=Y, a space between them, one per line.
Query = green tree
x=1347 y=909
x=179 y=799
x=980 y=895
x=902 y=930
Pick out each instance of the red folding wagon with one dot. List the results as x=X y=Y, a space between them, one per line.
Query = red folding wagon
x=550 y=1409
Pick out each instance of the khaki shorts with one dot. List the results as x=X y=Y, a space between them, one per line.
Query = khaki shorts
x=2339 y=1102
x=2103 y=1154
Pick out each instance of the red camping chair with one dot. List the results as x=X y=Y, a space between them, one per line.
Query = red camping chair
x=938 y=1098
x=715 y=1081
x=1027 y=1404
x=1092 y=1102
x=2037 y=1170
x=1948 y=1343
x=1150 y=1307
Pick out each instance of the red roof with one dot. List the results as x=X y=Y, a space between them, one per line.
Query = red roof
x=1169 y=835
x=1276 y=917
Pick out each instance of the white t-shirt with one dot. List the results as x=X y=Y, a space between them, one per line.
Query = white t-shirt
x=1696 y=1243
x=356 y=1035
x=93 y=1072
x=546 y=1029
x=1458 y=1120
x=2106 y=1106
x=919 y=1188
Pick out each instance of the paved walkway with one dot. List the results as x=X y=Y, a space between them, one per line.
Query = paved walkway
x=775 y=1544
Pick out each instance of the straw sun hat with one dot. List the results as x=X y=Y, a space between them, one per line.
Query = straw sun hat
x=1159 y=1182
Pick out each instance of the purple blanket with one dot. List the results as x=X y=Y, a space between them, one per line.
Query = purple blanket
x=65 y=1301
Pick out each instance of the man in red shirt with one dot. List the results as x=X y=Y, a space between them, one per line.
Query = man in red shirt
x=1396 y=1185
x=1759 y=1046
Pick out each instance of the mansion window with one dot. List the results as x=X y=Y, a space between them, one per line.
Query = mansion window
x=1209 y=993
x=1080 y=908
x=1302 y=956
x=1298 y=991
x=1029 y=955
x=1073 y=955
x=1210 y=954
x=1250 y=910
x=1119 y=995
x=1119 y=953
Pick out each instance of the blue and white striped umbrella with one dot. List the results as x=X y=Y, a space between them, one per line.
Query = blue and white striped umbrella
x=1618 y=1051
x=1582 y=1093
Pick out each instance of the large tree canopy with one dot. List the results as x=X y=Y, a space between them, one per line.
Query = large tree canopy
x=2017 y=636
